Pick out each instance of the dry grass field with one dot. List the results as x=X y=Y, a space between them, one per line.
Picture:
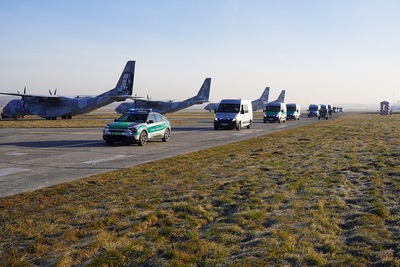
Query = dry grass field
x=325 y=194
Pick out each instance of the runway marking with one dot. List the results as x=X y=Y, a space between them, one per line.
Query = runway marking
x=72 y=145
x=8 y=171
x=282 y=126
x=82 y=144
x=117 y=157
x=16 y=154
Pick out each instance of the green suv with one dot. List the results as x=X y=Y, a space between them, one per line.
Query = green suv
x=137 y=127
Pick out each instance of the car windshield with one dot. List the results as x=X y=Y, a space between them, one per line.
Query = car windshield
x=133 y=118
x=229 y=108
x=273 y=108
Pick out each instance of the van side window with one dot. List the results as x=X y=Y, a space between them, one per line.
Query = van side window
x=245 y=108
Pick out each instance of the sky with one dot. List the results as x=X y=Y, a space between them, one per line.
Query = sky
x=319 y=51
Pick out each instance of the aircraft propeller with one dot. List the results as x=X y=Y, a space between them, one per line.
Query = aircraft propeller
x=22 y=99
x=24 y=90
x=55 y=92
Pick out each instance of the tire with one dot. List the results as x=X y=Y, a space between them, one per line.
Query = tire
x=167 y=135
x=239 y=126
x=248 y=126
x=142 y=138
x=109 y=142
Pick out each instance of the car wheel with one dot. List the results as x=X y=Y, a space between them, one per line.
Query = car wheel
x=109 y=142
x=167 y=135
x=142 y=138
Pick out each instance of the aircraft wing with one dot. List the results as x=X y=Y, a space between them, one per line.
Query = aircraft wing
x=34 y=96
x=149 y=103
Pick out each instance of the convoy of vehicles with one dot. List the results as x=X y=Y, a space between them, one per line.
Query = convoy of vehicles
x=233 y=114
x=137 y=127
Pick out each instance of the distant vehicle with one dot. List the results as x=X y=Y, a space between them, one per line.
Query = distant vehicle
x=233 y=114
x=256 y=104
x=330 y=110
x=275 y=111
x=323 y=112
x=137 y=127
x=168 y=106
x=313 y=110
x=53 y=106
x=293 y=111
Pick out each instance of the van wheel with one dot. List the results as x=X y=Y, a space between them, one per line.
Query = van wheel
x=239 y=126
x=248 y=126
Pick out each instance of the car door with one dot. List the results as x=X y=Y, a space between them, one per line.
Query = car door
x=151 y=125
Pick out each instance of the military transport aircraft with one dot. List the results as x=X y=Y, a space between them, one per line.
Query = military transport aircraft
x=256 y=104
x=168 y=106
x=53 y=106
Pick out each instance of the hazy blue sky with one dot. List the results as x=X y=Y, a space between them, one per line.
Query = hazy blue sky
x=332 y=51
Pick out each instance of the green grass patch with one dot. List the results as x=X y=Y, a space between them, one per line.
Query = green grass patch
x=325 y=194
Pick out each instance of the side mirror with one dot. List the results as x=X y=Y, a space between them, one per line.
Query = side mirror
x=150 y=121
x=115 y=120
x=215 y=111
x=242 y=111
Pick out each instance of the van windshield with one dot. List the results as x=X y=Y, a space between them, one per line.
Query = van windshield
x=229 y=108
x=313 y=108
x=291 y=108
x=273 y=108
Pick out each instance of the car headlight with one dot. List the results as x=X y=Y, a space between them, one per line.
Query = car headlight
x=106 y=128
x=133 y=129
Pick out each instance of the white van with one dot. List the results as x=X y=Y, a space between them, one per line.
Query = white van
x=233 y=113
x=313 y=110
x=275 y=111
x=293 y=111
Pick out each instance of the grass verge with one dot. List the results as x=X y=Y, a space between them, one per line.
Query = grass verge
x=326 y=194
x=94 y=120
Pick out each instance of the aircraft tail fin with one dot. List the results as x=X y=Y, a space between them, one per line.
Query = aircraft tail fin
x=265 y=95
x=281 y=97
x=204 y=92
x=124 y=85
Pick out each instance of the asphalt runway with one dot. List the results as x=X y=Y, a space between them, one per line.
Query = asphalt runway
x=35 y=158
